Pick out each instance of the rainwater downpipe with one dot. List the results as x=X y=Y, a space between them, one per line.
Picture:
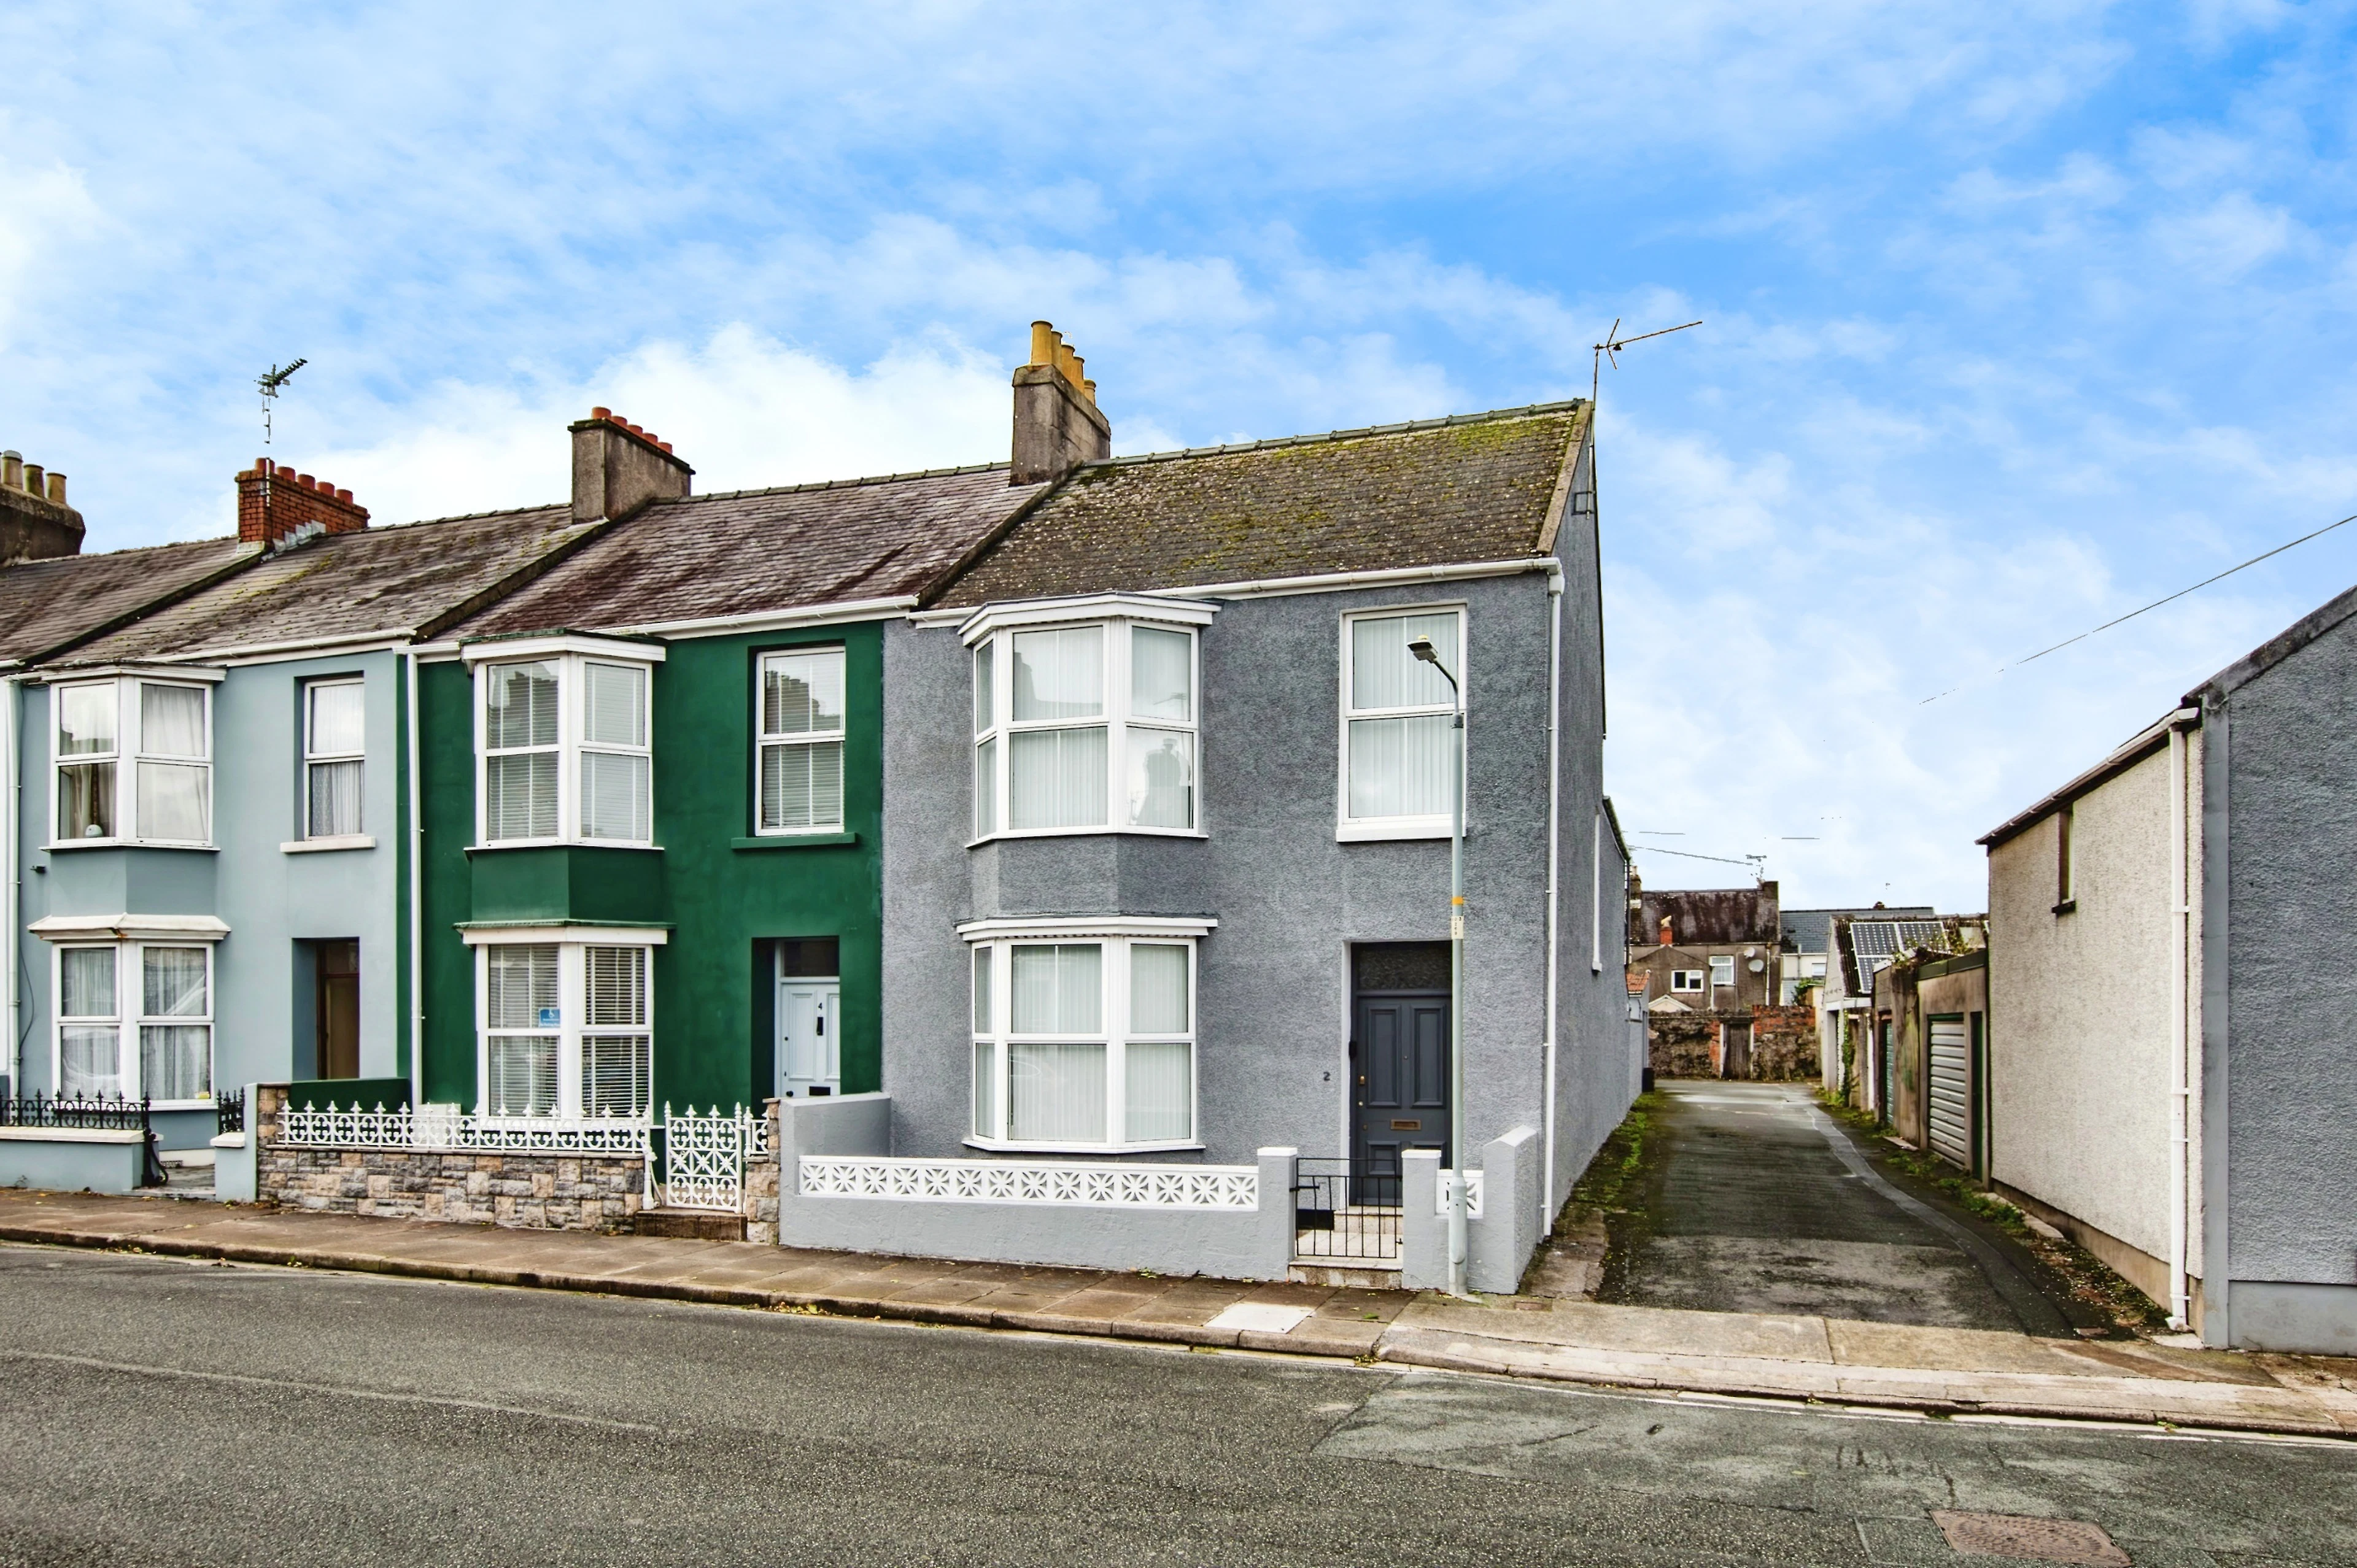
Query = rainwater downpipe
x=2181 y=1090
x=416 y=874
x=1554 y=873
x=13 y=813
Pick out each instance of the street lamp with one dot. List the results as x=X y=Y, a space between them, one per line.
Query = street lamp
x=1457 y=1246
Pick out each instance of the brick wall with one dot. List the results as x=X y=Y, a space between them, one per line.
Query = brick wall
x=273 y=500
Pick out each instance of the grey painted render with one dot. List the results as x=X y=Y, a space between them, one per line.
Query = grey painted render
x=1274 y=984
x=271 y=900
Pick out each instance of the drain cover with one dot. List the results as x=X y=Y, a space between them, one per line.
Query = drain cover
x=2012 y=1535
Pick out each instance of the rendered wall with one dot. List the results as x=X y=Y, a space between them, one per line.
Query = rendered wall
x=96 y=1163
x=2080 y=1049
x=1274 y=983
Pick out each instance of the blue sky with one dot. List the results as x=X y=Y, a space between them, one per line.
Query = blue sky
x=2015 y=315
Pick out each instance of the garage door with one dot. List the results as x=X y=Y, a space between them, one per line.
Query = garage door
x=1952 y=1103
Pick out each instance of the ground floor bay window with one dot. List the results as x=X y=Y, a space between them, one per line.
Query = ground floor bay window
x=135 y=1021
x=1084 y=1033
x=565 y=1027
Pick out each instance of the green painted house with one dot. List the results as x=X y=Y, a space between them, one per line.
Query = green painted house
x=651 y=791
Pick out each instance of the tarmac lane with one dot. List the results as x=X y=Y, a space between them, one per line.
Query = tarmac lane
x=172 y=1411
x=1756 y=1200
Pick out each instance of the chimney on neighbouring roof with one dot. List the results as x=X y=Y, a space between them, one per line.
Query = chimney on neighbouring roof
x=273 y=502
x=36 y=524
x=1665 y=930
x=618 y=468
x=1058 y=425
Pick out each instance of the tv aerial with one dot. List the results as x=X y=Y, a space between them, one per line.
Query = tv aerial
x=1608 y=349
x=270 y=383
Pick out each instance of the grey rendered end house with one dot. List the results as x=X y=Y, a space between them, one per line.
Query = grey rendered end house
x=2170 y=1076
x=1165 y=856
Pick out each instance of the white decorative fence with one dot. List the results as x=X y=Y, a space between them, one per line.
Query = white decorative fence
x=1031 y=1181
x=704 y=1156
x=439 y=1127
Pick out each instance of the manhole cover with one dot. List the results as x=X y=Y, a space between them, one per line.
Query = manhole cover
x=2012 y=1535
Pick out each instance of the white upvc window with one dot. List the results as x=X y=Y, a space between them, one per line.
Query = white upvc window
x=1399 y=736
x=1722 y=970
x=800 y=782
x=134 y=1020
x=335 y=750
x=1685 y=979
x=566 y=1028
x=1084 y=1042
x=162 y=732
x=564 y=748
x=1084 y=726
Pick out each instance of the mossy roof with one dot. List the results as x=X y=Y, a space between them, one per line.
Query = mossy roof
x=1437 y=492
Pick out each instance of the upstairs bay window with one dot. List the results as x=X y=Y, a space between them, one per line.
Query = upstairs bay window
x=160 y=731
x=563 y=743
x=1399 y=733
x=801 y=783
x=566 y=1028
x=1082 y=728
x=1084 y=1040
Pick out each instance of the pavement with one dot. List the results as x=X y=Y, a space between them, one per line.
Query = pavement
x=1756 y=1200
x=1800 y=1357
x=174 y=1410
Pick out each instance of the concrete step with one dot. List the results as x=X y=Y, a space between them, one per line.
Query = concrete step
x=697 y=1224
x=1343 y=1275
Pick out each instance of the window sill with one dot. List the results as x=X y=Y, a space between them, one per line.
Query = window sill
x=204 y=1104
x=64 y=846
x=559 y=843
x=1383 y=831
x=322 y=845
x=1006 y=833
x=1013 y=1146
x=795 y=841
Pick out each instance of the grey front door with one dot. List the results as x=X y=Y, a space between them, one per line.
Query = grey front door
x=1399 y=1050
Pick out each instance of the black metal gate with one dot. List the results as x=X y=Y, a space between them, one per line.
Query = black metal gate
x=1343 y=1216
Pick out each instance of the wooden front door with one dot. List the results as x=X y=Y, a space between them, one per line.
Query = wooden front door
x=337 y=982
x=1399 y=1065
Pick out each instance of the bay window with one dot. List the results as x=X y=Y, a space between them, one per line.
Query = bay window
x=1087 y=726
x=135 y=1021
x=335 y=744
x=160 y=731
x=1399 y=735
x=801 y=782
x=564 y=744
x=565 y=1027
x=1084 y=1037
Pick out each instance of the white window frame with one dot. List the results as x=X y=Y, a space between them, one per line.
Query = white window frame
x=314 y=758
x=998 y=939
x=763 y=740
x=571 y=656
x=130 y=1016
x=1678 y=978
x=129 y=752
x=1728 y=961
x=1350 y=828
x=1119 y=617
x=573 y=1026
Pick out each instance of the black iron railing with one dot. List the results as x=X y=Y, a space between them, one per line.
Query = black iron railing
x=1343 y=1213
x=90 y=1113
x=229 y=1111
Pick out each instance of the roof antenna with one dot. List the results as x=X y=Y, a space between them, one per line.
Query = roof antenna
x=1611 y=350
x=270 y=384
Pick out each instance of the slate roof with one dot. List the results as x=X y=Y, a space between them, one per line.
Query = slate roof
x=1706 y=917
x=400 y=579
x=1436 y=492
x=1812 y=930
x=747 y=552
x=45 y=604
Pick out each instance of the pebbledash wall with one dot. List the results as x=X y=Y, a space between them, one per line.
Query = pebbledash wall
x=723 y=898
x=1274 y=984
x=273 y=902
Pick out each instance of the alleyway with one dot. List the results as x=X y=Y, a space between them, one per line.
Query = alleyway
x=1756 y=1200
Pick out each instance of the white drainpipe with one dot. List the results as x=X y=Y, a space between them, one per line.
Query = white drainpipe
x=11 y=693
x=2181 y=1091
x=1555 y=833
x=417 y=908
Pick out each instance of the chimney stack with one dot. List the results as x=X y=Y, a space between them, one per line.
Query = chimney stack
x=36 y=524
x=1058 y=425
x=1665 y=932
x=273 y=502
x=618 y=468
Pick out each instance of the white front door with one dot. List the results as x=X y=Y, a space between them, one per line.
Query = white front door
x=809 y=1059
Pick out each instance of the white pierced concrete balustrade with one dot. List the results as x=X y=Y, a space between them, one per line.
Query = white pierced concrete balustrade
x=1031 y=1181
x=444 y=1127
x=1473 y=1196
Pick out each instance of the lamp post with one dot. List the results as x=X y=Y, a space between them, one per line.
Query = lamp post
x=1459 y=1248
